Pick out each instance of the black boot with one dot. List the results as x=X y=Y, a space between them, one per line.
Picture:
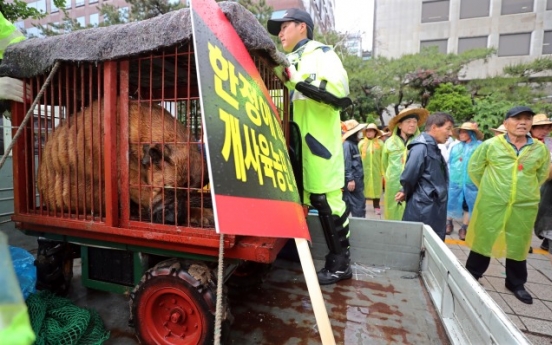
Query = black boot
x=336 y=233
x=544 y=245
x=337 y=268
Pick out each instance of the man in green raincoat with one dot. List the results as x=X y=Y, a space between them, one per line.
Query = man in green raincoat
x=370 y=151
x=316 y=79
x=508 y=171
x=404 y=127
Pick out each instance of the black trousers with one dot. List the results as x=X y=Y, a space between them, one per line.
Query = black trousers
x=516 y=271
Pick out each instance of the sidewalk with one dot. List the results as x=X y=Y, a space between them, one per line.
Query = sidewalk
x=535 y=320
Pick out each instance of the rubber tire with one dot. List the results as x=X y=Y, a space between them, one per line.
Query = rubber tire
x=171 y=280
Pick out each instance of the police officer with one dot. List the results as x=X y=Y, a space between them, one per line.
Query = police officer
x=319 y=86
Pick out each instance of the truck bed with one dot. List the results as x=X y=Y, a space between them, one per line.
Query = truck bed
x=378 y=306
x=407 y=288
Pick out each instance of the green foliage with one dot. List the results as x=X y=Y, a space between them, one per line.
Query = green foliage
x=112 y=15
x=452 y=99
x=371 y=118
x=18 y=10
x=259 y=8
x=381 y=82
x=489 y=112
x=145 y=9
x=526 y=70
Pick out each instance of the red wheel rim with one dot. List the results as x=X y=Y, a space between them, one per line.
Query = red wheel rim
x=171 y=317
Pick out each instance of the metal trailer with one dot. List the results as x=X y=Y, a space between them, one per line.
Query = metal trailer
x=88 y=187
x=168 y=269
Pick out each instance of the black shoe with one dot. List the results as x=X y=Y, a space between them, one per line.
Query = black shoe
x=521 y=294
x=544 y=245
x=326 y=277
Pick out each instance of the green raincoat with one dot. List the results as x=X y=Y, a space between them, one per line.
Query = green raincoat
x=320 y=124
x=507 y=202
x=393 y=159
x=8 y=35
x=370 y=152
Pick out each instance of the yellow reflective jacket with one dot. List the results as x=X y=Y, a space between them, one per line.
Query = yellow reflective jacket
x=320 y=124
x=370 y=152
x=507 y=202
x=393 y=159
x=8 y=35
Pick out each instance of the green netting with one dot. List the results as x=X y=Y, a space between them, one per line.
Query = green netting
x=57 y=321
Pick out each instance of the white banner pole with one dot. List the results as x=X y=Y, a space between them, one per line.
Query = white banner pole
x=317 y=300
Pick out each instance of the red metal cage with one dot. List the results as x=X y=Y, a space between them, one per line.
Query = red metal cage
x=81 y=170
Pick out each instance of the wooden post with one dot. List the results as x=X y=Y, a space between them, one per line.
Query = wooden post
x=317 y=300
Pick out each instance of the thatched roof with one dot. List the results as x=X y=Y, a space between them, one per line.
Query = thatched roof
x=37 y=56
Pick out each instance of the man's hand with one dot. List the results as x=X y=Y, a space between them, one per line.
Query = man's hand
x=351 y=186
x=292 y=75
x=399 y=197
x=12 y=89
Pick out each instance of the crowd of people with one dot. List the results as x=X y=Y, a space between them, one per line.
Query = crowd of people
x=446 y=172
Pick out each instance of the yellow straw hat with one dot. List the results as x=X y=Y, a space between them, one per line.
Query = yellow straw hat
x=374 y=127
x=421 y=113
x=468 y=126
x=351 y=127
x=541 y=120
x=500 y=130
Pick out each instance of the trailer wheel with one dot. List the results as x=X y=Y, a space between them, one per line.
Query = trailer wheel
x=175 y=304
x=54 y=266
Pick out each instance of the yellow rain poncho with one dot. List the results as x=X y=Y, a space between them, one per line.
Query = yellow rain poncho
x=370 y=152
x=393 y=159
x=507 y=202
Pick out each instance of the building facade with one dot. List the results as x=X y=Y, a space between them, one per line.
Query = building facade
x=86 y=12
x=520 y=30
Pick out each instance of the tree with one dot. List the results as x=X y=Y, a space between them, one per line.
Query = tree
x=452 y=99
x=383 y=83
x=19 y=10
x=528 y=70
x=141 y=10
x=489 y=113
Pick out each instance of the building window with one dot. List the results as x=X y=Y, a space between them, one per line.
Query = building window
x=547 y=43
x=435 y=11
x=34 y=32
x=548 y=4
x=474 y=8
x=514 y=44
x=94 y=19
x=92 y=1
x=53 y=7
x=79 y=3
x=440 y=44
x=467 y=43
x=40 y=5
x=516 y=6
x=68 y=4
x=81 y=21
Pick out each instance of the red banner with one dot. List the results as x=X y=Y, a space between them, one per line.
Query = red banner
x=252 y=183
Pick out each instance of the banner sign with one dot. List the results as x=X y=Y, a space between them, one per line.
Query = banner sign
x=252 y=182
